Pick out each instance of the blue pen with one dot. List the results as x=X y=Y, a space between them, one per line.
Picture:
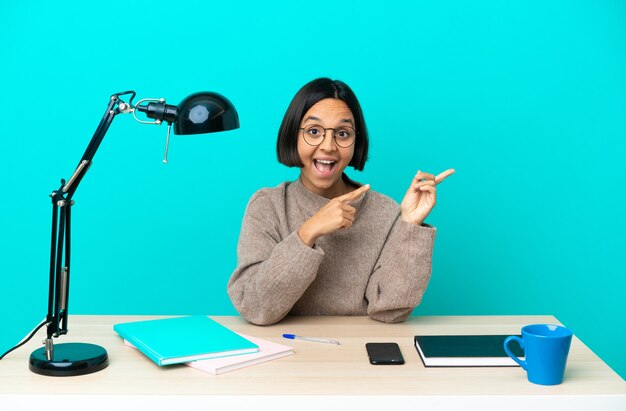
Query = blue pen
x=320 y=340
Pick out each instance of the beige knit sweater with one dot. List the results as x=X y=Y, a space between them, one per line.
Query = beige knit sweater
x=378 y=267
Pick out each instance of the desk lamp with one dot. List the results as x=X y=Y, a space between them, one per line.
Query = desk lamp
x=204 y=112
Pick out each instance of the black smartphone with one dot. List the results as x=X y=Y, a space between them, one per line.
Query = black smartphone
x=384 y=353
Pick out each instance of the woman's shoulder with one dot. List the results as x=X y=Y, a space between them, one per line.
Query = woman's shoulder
x=376 y=198
x=268 y=196
x=381 y=201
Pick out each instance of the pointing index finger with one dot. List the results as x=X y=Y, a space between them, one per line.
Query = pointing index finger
x=442 y=176
x=354 y=195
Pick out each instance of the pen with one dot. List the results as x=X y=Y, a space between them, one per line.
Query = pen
x=297 y=337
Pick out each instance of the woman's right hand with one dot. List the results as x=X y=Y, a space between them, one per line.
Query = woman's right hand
x=336 y=214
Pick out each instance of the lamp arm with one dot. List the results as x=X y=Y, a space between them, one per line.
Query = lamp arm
x=115 y=107
x=58 y=292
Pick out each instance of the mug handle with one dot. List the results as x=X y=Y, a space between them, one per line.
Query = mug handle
x=510 y=354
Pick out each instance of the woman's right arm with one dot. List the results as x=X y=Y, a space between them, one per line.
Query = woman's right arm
x=272 y=272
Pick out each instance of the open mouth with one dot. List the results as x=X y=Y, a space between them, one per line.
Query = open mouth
x=324 y=167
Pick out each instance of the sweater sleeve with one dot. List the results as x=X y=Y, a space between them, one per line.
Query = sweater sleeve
x=272 y=272
x=402 y=272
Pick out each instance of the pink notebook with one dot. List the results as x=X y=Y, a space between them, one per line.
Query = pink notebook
x=267 y=351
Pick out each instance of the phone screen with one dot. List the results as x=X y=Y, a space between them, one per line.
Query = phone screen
x=384 y=353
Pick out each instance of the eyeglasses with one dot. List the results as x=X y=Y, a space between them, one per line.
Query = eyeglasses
x=314 y=135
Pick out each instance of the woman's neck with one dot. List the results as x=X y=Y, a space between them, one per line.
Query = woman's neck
x=339 y=188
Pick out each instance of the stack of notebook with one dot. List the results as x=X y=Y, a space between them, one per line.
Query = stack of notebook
x=199 y=342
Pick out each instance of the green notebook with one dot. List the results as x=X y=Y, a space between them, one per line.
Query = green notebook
x=465 y=351
x=184 y=339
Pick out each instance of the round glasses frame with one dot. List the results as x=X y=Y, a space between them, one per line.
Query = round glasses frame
x=304 y=129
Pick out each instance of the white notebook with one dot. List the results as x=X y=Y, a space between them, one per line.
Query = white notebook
x=267 y=351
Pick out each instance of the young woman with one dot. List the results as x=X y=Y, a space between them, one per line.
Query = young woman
x=324 y=244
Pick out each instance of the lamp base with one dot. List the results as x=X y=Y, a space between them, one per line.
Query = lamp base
x=69 y=359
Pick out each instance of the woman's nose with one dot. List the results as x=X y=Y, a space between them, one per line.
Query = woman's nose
x=329 y=144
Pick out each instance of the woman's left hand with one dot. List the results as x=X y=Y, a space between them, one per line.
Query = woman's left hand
x=421 y=196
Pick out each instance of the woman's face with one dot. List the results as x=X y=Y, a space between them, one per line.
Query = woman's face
x=324 y=164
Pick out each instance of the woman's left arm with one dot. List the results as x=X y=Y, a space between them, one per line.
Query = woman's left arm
x=401 y=273
x=403 y=269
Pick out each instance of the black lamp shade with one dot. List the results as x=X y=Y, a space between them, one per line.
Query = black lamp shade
x=205 y=112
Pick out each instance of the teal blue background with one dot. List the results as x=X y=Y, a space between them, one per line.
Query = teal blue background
x=526 y=99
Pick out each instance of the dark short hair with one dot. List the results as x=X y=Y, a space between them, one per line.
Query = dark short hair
x=305 y=98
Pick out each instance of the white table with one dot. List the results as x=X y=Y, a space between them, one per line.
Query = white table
x=317 y=376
